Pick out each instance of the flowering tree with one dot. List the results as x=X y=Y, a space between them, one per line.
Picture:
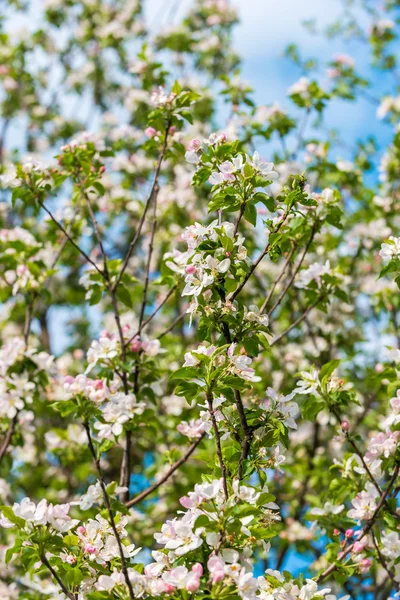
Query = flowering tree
x=223 y=396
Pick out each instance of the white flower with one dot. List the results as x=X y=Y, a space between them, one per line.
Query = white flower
x=390 y=249
x=107 y=582
x=216 y=178
x=328 y=509
x=253 y=315
x=185 y=539
x=229 y=167
x=194 y=429
x=240 y=365
x=309 y=382
x=300 y=87
x=103 y=349
x=94 y=495
x=284 y=406
x=383 y=444
x=313 y=273
x=192 y=157
x=9 y=179
x=245 y=493
x=391 y=545
x=364 y=504
x=30 y=512
x=310 y=590
x=266 y=169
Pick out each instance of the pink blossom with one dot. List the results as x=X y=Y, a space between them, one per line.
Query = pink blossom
x=216 y=567
x=150 y=132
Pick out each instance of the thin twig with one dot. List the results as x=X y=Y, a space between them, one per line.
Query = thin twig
x=259 y=259
x=173 y=325
x=154 y=190
x=96 y=227
x=153 y=314
x=218 y=444
x=367 y=528
x=383 y=562
x=298 y=320
x=247 y=431
x=57 y=578
x=166 y=476
x=96 y=461
x=273 y=287
x=293 y=276
x=8 y=436
x=65 y=232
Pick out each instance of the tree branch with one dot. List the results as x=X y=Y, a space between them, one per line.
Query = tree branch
x=96 y=461
x=167 y=475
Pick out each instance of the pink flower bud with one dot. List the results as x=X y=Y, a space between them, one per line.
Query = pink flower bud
x=102 y=169
x=193 y=582
x=227 y=254
x=345 y=425
x=194 y=145
x=150 y=132
x=198 y=569
x=81 y=530
x=186 y=502
x=358 y=547
x=349 y=533
x=68 y=379
x=190 y=269
x=168 y=588
x=365 y=565
x=136 y=346
x=90 y=549
x=336 y=532
x=216 y=567
x=217 y=576
x=98 y=384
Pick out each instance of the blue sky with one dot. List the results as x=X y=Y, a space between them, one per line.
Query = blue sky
x=266 y=28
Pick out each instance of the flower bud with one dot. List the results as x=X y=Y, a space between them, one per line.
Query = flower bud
x=198 y=569
x=193 y=582
x=194 y=145
x=150 y=132
x=365 y=565
x=136 y=345
x=358 y=547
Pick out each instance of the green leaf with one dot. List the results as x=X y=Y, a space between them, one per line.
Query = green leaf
x=268 y=201
x=9 y=514
x=124 y=295
x=99 y=187
x=250 y=213
x=185 y=373
x=327 y=370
